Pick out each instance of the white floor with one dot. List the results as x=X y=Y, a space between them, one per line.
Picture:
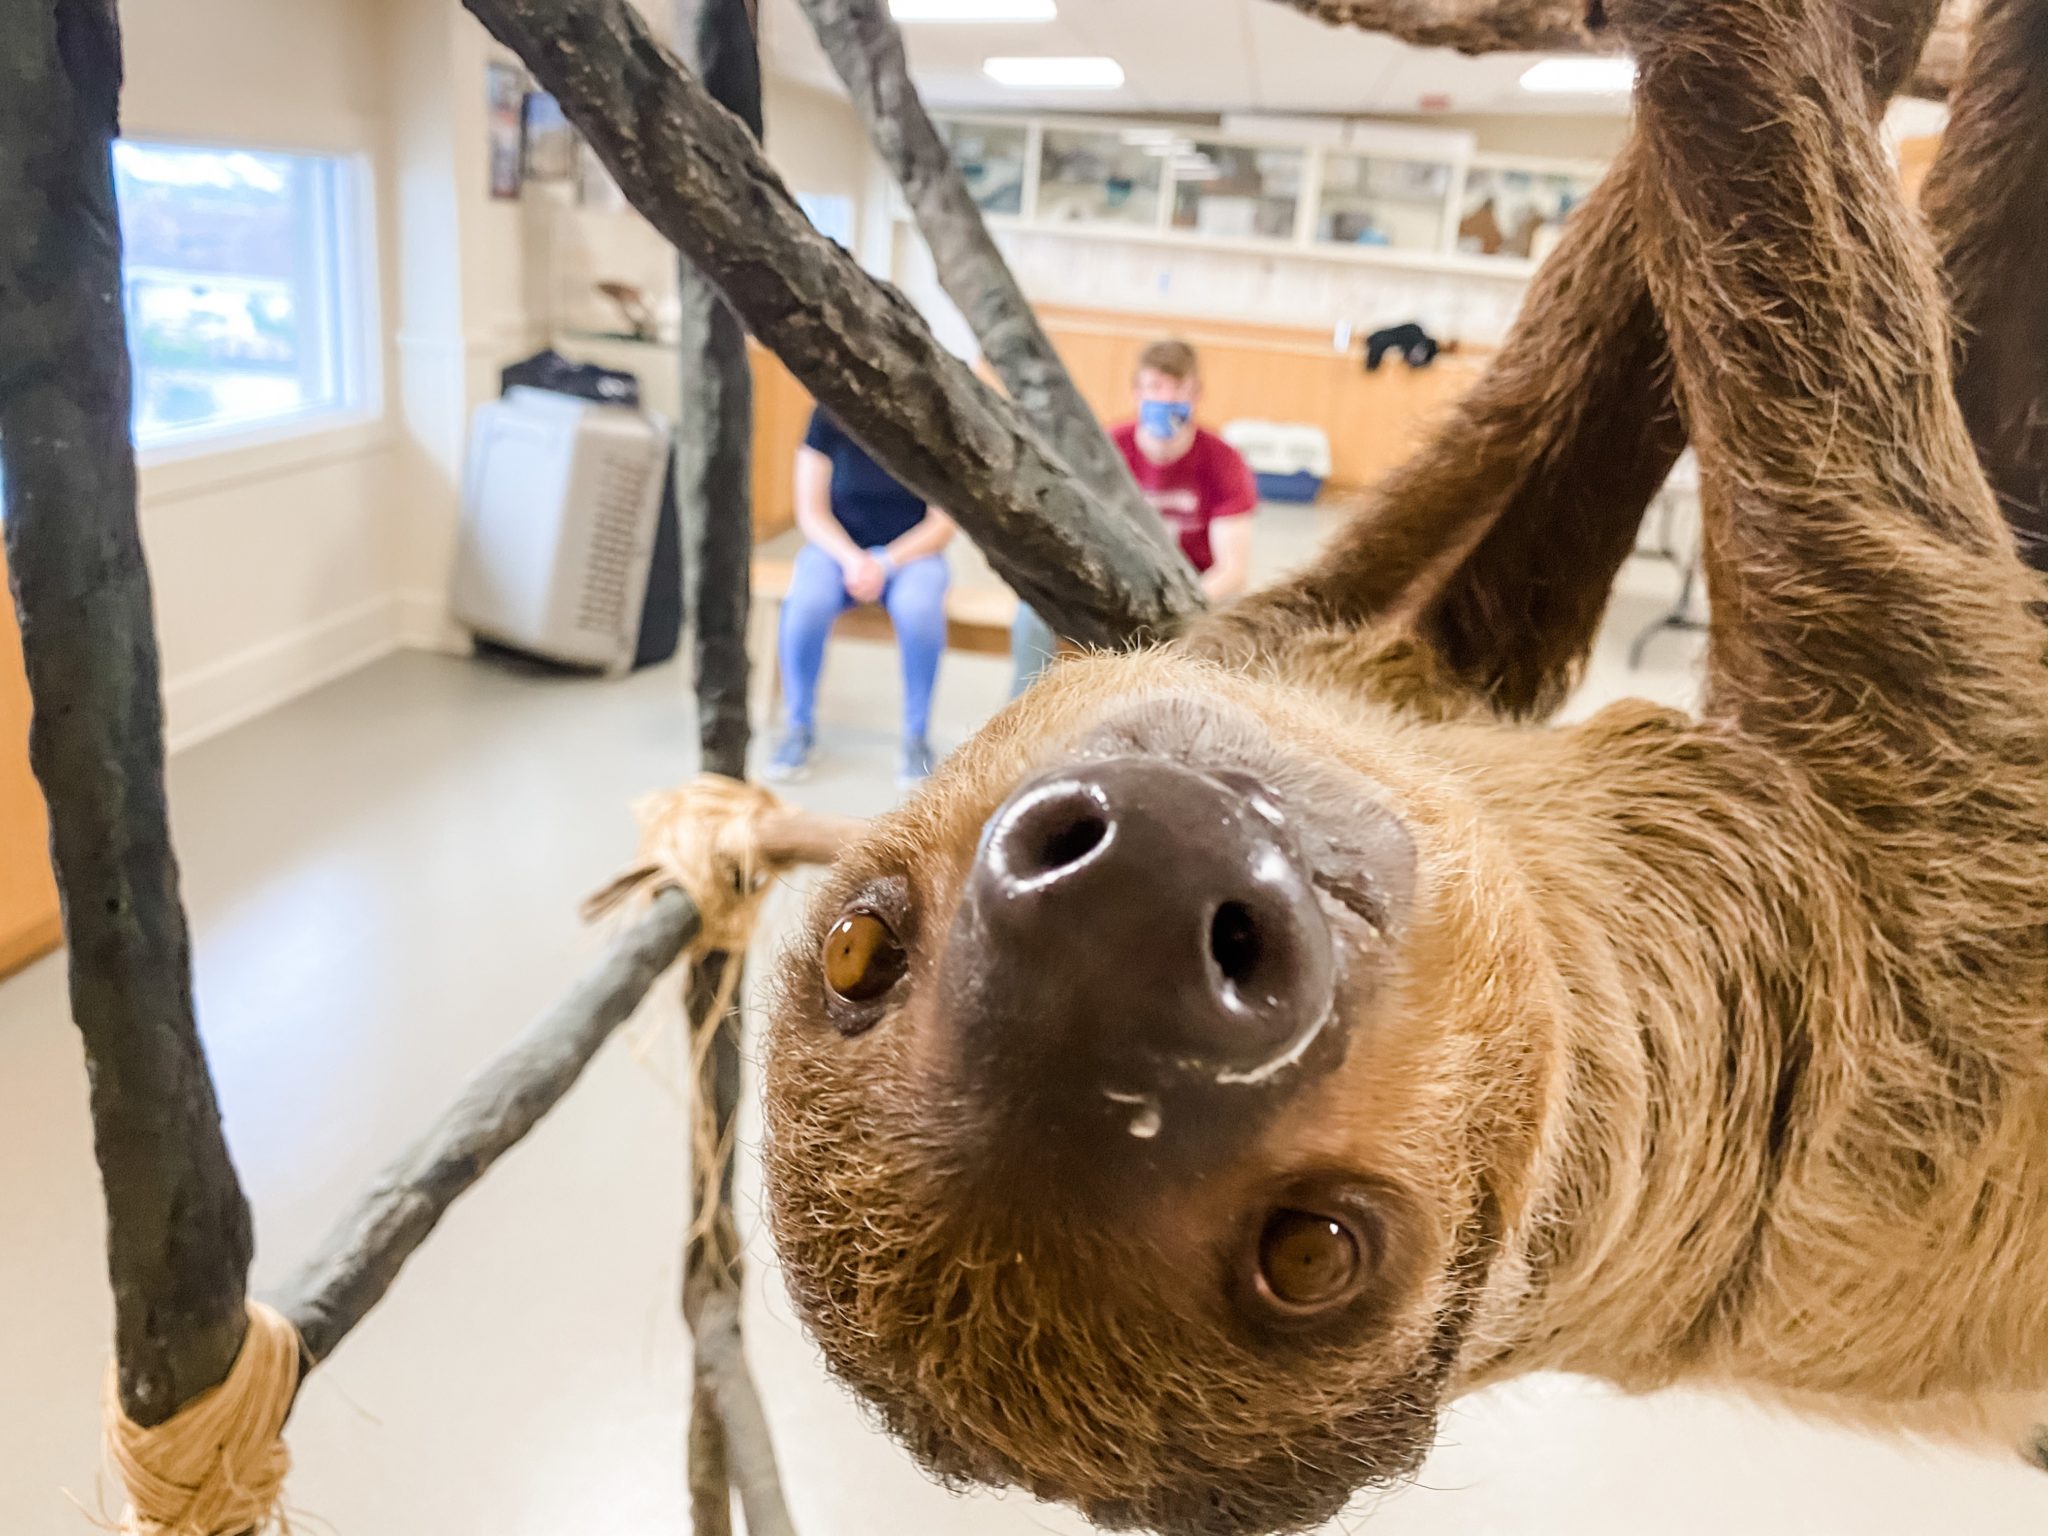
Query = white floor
x=383 y=880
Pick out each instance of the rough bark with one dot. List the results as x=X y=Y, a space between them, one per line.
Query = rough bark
x=1986 y=200
x=714 y=470
x=1557 y=26
x=1499 y=541
x=178 y=1229
x=715 y=438
x=856 y=344
x=866 y=50
x=364 y=1251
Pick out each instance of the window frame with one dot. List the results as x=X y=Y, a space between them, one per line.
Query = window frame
x=352 y=265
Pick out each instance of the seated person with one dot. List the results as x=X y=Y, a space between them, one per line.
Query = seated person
x=867 y=540
x=1197 y=482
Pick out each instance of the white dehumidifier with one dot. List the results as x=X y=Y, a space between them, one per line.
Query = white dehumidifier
x=559 y=507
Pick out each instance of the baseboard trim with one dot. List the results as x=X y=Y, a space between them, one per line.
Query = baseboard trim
x=26 y=945
x=217 y=697
x=425 y=624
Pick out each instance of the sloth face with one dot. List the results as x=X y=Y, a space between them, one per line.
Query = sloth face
x=1115 y=1143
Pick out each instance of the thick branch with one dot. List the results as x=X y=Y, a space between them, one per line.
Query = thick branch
x=856 y=344
x=178 y=1232
x=866 y=49
x=1556 y=26
x=363 y=1253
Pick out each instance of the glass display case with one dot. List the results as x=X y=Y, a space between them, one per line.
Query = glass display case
x=1508 y=210
x=992 y=157
x=1237 y=191
x=1382 y=201
x=1098 y=176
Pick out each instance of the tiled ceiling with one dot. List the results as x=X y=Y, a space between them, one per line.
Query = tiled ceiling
x=1195 y=56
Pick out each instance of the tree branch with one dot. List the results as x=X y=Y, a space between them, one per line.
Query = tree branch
x=334 y=1289
x=866 y=49
x=364 y=1251
x=713 y=486
x=178 y=1230
x=856 y=344
x=722 y=1365
x=1556 y=26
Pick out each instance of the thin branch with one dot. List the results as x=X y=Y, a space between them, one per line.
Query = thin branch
x=713 y=487
x=178 y=1229
x=1557 y=26
x=352 y=1269
x=364 y=1251
x=750 y=1448
x=856 y=344
x=866 y=49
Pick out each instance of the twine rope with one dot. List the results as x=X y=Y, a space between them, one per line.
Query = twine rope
x=216 y=1467
x=704 y=839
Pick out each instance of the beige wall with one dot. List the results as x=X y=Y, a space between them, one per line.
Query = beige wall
x=273 y=562
x=1550 y=137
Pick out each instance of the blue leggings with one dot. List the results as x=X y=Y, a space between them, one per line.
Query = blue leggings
x=916 y=601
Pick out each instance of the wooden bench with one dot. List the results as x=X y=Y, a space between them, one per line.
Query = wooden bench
x=978 y=620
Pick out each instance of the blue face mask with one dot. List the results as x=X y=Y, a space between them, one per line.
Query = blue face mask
x=1163 y=418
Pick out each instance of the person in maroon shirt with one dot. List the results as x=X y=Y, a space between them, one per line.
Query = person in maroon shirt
x=1197 y=482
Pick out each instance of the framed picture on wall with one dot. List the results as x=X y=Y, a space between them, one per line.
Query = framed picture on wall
x=595 y=188
x=505 y=105
x=550 y=141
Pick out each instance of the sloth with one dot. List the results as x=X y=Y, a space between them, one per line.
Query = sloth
x=1244 y=1047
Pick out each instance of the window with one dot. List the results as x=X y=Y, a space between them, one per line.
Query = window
x=1091 y=177
x=991 y=158
x=244 y=288
x=1237 y=192
x=1510 y=210
x=1380 y=200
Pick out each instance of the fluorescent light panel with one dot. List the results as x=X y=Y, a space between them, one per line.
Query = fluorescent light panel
x=1082 y=74
x=985 y=11
x=1579 y=77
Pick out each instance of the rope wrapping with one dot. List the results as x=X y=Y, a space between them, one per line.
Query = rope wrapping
x=217 y=1466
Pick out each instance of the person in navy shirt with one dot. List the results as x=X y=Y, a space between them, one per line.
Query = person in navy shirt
x=868 y=539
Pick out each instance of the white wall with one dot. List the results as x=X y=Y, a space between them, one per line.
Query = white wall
x=273 y=564
x=813 y=139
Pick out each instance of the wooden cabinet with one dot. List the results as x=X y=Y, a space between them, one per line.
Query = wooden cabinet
x=1271 y=373
x=782 y=413
x=28 y=894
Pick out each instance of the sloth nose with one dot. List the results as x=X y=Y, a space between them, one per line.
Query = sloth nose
x=1132 y=928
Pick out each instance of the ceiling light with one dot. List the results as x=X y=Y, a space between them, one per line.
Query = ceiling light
x=1579 y=77
x=1087 y=74
x=973 y=10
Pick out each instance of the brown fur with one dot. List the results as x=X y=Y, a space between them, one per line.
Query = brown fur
x=1986 y=202
x=1718 y=1047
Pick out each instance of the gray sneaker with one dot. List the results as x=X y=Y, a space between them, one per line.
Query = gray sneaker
x=792 y=760
x=913 y=763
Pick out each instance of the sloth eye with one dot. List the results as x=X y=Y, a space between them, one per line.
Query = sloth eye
x=862 y=958
x=1308 y=1260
